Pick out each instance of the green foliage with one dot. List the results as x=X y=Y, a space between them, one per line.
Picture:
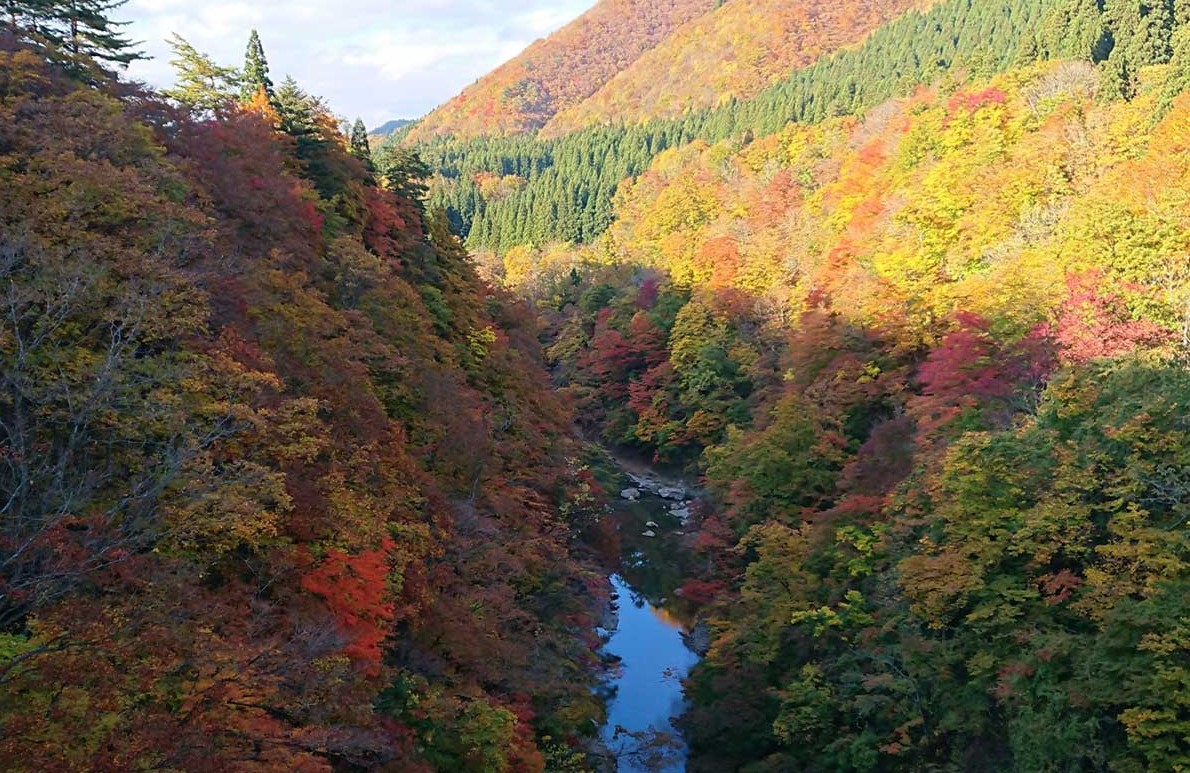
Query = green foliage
x=80 y=33
x=201 y=84
x=255 y=74
x=360 y=148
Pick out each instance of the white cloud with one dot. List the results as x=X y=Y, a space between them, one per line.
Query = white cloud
x=378 y=59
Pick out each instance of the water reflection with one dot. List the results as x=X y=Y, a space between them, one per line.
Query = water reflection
x=653 y=660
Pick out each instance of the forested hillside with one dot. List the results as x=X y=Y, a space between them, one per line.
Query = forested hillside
x=508 y=191
x=932 y=364
x=560 y=71
x=282 y=484
x=733 y=53
x=930 y=359
x=287 y=485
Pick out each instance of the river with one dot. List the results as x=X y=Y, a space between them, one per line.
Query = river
x=647 y=649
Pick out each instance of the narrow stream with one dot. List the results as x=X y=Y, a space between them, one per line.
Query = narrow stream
x=648 y=648
x=653 y=660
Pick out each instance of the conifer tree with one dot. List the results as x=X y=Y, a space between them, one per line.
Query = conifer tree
x=20 y=16
x=1152 y=44
x=1177 y=78
x=1029 y=51
x=84 y=30
x=296 y=108
x=1077 y=30
x=201 y=84
x=360 y=148
x=1142 y=30
x=1116 y=79
x=77 y=30
x=1181 y=12
x=256 y=71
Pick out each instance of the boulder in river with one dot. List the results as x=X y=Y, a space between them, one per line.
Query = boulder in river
x=653 y=525
x=649 y=533
x=631 y=494
x=671 y=492
x=681 y=513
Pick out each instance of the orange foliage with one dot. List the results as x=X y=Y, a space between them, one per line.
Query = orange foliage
x=560 y=71
x=355 y=587
x=738 y=50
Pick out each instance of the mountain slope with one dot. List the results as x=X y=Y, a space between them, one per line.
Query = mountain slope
x=281 y=475
x=562 y=70
x=932 y=364
x=736 y=51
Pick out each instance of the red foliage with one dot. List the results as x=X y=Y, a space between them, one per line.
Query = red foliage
x=388 y=222
x=1096 y=324
x=969 y=101
x=1060 y=587
x=883 y=461
x=969 y=369
x=562 y=70
x=613 y=358
x=702 y=591
x=355 y=587
x=646 y=296
x=642 y=391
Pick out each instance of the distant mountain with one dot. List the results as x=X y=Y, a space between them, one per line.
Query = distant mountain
x=562 y=70
x=626 y=61
x=391 y=127
x=736 y=51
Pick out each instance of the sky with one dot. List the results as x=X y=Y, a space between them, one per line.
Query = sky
x=371 y=59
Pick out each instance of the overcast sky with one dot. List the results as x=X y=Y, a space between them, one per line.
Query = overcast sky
x=375 y=59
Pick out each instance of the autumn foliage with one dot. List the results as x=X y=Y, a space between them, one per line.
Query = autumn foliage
x=560 y=71
x=931 y=364
x=282 y=478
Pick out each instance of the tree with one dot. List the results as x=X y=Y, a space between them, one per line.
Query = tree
x=403 y=171
x=255 y=75
x=297 y=109
x=1177 y=79
x=85 y=30
x=1116 y=79
x=360 y=147
x=1076 y=30
x=20 y=15
x=202 y=85
x=79 y=31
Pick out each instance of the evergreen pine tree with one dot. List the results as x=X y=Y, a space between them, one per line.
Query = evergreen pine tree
x=78 y=31
x=22 y=16
x=1029 y=51
x=201 y=84
x=1116 y=79
x=1181 y=13
x=1177 y=79
x=403 y=171
x=83 y=30
x=256 y=71
x=296 y=110
x=360 y=148
x=1142 y=29
x=1152 y=42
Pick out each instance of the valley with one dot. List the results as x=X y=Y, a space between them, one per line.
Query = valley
x=715 y=386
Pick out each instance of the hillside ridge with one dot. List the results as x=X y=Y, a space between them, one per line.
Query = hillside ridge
x=561 y=70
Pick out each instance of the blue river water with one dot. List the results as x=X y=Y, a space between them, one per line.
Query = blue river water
x=648 y=682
